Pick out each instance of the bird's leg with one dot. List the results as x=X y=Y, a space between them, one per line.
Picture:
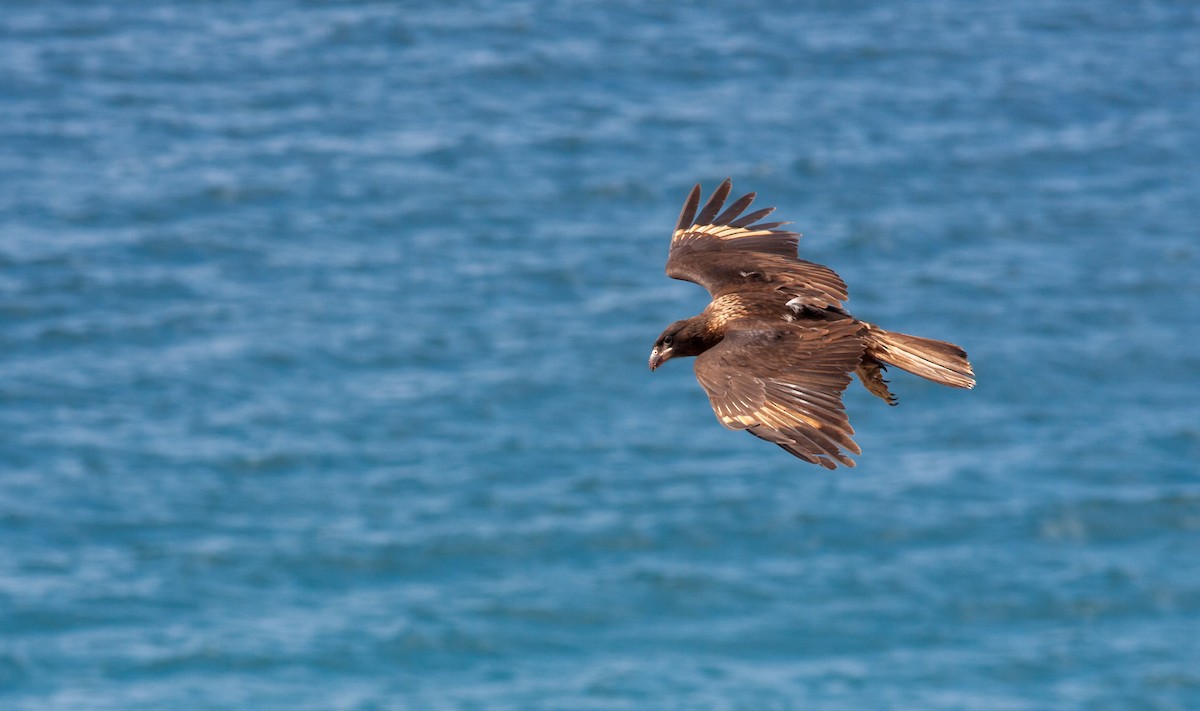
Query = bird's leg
x=870 y=372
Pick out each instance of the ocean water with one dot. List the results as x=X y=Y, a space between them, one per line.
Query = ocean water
x=323 y=339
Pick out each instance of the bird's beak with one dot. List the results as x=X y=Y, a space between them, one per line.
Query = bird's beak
x=658 y=357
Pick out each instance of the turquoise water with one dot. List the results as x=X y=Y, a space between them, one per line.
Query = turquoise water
x=323 y=339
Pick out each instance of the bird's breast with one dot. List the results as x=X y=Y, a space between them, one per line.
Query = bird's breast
x=730 y=307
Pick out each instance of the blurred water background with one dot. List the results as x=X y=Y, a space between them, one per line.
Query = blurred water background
x=323 y=339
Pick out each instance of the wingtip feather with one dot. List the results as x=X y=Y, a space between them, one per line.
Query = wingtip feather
x=688 y=212
x=715 y=201
x=738 y=207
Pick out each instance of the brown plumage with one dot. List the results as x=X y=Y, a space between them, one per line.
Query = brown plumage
x=775 y=349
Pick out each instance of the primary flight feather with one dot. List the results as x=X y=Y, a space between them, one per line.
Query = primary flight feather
x=775 y=348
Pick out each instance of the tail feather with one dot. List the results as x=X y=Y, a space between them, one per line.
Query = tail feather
x=939 y=361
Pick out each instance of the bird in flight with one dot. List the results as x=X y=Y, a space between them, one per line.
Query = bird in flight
x=775 y=348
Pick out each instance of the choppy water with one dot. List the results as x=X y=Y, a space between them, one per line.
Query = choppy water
x=323 y=331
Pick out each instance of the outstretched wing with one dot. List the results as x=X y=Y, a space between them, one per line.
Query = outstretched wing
x=729 y=251
x=783 y=383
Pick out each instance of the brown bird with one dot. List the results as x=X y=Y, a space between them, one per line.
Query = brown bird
x=775 y=349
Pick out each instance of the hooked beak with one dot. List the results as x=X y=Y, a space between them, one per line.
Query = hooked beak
x=658 y=357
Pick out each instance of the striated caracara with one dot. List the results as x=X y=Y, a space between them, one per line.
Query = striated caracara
x=775 y=349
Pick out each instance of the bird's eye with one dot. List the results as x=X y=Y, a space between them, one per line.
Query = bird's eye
x=668 y=340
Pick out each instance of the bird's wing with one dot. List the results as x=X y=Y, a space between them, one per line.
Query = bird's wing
x=783 y=383
x=728 y=251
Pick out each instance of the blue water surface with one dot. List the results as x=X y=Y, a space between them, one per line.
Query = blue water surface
x=323 y=340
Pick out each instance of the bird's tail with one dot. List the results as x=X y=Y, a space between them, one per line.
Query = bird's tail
x=939 y=361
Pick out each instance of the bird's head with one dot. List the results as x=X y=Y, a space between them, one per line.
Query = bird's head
x=683 y=338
